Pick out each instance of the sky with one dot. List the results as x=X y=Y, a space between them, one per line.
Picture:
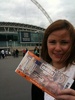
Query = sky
x=26 y=12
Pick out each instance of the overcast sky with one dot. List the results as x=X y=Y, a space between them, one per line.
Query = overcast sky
x=25 y=11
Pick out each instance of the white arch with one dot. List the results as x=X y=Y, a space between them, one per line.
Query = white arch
x=43 y=10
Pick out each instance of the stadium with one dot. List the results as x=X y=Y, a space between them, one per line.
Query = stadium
x=19 y=36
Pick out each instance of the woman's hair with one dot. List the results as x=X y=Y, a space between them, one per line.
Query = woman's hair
x=58 y=25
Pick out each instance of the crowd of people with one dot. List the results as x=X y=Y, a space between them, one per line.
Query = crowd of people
x=5 y=53
x=14 y=53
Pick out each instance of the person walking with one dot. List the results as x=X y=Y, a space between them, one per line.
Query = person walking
x=3 y=53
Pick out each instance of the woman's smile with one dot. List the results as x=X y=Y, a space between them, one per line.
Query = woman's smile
x=57 y=55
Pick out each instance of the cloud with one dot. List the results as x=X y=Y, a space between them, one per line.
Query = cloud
x=25 y=11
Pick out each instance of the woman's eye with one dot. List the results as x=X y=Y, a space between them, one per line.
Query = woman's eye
x=64 y=42
x=52 y=42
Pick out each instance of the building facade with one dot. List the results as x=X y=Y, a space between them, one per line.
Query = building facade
x=18 y=35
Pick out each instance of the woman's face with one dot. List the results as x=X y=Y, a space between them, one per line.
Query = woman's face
x=59 y=44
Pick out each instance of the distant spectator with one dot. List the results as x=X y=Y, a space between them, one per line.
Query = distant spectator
x=13 y=53
x=6 y=53
x=36 y=51
x=17 y=52
x=3 y=54
x=24 y=51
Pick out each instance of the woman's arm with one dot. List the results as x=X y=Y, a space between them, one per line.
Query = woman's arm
x=66 y=94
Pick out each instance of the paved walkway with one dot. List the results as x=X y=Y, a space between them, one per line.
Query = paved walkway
x=13 y=86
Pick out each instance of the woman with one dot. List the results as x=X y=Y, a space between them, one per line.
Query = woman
x=58 y=49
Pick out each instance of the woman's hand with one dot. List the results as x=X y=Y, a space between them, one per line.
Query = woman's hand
x=66 y=94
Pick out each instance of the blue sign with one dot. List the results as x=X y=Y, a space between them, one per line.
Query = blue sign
x=25 y=37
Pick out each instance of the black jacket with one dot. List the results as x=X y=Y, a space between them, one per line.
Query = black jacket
x=36 y=93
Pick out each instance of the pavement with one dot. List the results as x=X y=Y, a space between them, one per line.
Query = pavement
x=12 y=85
